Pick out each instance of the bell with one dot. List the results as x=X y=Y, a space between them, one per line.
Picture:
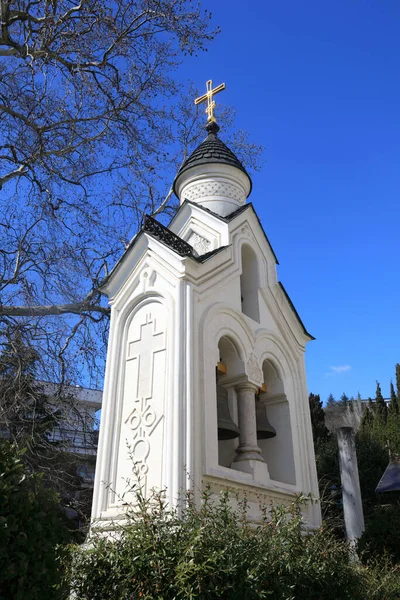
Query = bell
x=227 y=429
x=264 y=427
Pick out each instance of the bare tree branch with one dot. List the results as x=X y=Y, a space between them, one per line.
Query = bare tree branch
x=93 y=129
x=76 y=308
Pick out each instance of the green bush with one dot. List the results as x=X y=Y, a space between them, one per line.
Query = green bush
x=212 y=553
x=31 y=526
x=382 y=533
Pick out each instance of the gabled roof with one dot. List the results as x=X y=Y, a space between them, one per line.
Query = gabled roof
x=230 y=218
x=227 y=219
x=170 y=239
x=295 y=311
x=167 y=237
x=173 y=241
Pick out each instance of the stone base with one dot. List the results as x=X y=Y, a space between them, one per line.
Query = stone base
x=256 y=468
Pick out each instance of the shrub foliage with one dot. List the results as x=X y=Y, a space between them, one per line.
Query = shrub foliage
x=31 y=526
x=213 y=552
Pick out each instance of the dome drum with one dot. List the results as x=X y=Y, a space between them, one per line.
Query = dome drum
x=213 y=176
x=218 y=187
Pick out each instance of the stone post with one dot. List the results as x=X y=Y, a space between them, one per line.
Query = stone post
x=352 y=504
x=248 y=448
x=248 y=457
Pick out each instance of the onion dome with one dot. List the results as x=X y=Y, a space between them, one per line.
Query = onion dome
x=213 y=176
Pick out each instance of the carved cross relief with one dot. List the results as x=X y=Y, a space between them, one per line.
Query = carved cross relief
x=144 y=417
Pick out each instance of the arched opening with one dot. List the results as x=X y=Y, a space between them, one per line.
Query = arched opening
x=277 y=451
x=249 y=283
x=229 y=365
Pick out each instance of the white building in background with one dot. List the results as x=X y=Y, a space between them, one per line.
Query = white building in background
x=77 y=432
x=205 y=379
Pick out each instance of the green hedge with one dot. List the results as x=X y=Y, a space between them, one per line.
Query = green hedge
x=212 y=553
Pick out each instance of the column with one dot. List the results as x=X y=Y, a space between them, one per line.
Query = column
x=248 y=449
x=352 y=504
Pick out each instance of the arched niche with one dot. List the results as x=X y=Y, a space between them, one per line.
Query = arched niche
x=229 y=367
x=277 y=451
x=249 y=283
x=141 y=399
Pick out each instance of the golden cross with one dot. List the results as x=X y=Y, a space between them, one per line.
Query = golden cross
x=209 y=97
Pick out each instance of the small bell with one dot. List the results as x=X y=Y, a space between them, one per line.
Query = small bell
x=227 y=428
x=264 y=427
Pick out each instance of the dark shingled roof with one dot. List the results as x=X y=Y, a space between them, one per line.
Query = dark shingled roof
x=173 y=241
x=390 y=480
x=212 y=150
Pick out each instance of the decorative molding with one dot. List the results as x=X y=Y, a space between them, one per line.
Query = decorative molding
x=142 y=420
x=141 y=414
x=167 y=236
x=253 y=371
x=195 y=191
x=258 y=494
x=147 y=277
x=199 y=243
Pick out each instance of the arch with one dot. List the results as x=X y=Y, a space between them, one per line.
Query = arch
x=121 y=392
x=231 y=366
x=228 y=348
x=269 y=346
x=279 y=374
x=249 y=282
x=230 y=356
x=271 y=375
x=220 y=322
x=127 y=314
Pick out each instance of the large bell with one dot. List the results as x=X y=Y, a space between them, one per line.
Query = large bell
x=227 y=428
x=264 y=427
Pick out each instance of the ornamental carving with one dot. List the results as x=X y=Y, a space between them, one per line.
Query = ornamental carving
x=200 y=244
x=142 y=431
x=214 y=188
x=166 y=236
x=253 y=371
x=142 y=420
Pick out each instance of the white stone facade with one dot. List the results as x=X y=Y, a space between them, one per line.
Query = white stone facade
x=218 y=187
x=173 y=319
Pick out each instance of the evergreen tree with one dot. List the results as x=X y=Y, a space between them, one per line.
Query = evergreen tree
x=319 y=430
x=331 y=400
x=367 y=418
x=344 y=400
x=398 y=383
x=381 y=408
x=394 y=404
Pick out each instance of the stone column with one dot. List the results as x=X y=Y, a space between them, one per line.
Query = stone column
x=248 y=455
x=352 y=504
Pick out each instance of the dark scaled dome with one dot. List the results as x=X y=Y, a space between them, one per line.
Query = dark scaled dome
x=212 y=150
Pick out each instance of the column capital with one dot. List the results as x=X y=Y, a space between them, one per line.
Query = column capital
x=245 y=384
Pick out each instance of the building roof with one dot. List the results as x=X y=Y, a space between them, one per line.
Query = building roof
x=390 y=480
x=296 y=314
x=211 y=151
x=228 y=218
x=173 y=241
x=164 y=235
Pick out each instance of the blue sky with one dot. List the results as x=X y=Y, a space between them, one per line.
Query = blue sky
x=318 y=83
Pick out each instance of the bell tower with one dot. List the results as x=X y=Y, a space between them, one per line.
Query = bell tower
x=205 y=379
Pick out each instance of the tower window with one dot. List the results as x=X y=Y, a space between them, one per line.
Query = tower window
x=249 y=283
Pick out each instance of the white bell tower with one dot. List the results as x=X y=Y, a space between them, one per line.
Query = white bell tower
x=205 y=379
